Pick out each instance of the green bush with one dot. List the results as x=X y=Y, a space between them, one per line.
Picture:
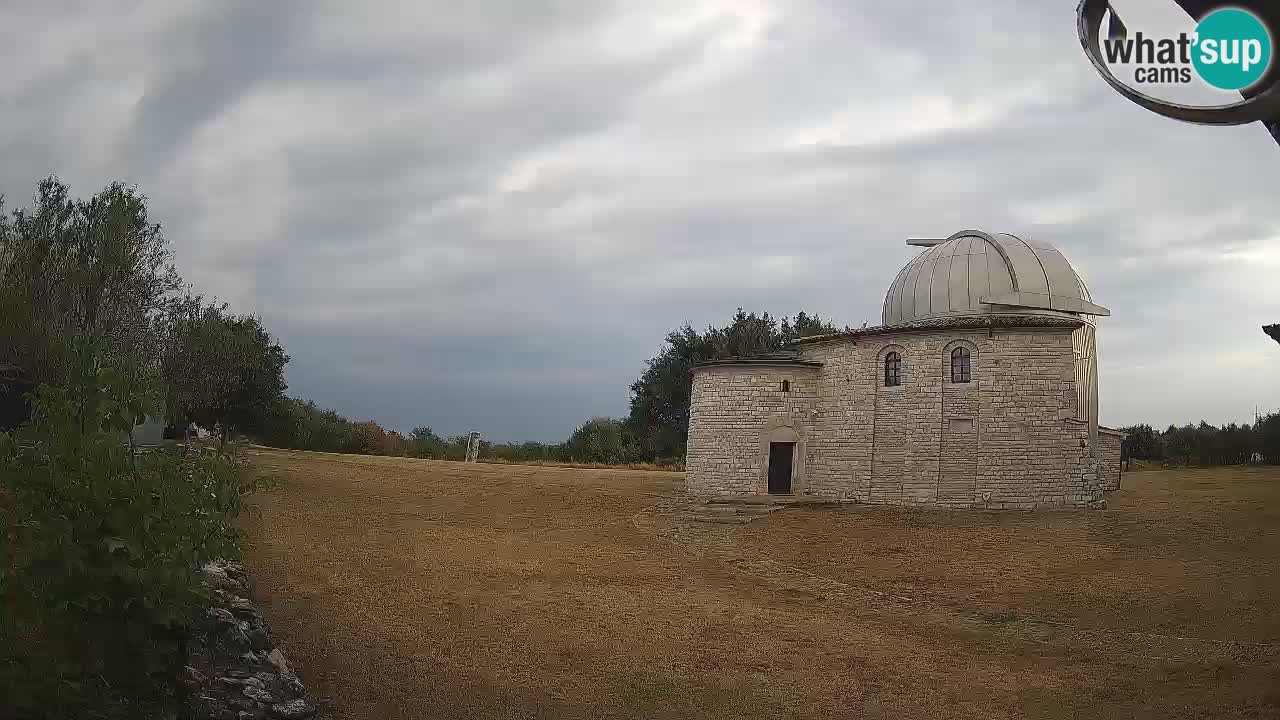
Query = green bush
x=100 y=550
x=599 y=440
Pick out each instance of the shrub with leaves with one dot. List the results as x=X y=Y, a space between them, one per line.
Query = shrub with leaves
x=100 y=549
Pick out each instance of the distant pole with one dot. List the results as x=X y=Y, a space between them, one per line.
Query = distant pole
x=473 y=446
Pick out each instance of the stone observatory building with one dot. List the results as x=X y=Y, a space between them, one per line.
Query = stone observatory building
x=979 y=390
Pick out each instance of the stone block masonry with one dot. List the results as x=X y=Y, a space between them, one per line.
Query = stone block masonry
x=1008 y=439
x=736 y=410
x=1110 y=469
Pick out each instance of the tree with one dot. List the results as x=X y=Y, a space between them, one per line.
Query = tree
x=598 y=440
x=1142 y=442
x=423 y=442
x=367 y=438
x=1180 y=442
x=1239 y=442
x=302 y=425
x=659 y=415
x=530 y=451
x=220 y=370
x=72 y=268
x=1269 y=438
x=261 y=377
x=393 y=443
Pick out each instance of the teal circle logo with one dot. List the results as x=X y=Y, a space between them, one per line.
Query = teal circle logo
x=1232 y=49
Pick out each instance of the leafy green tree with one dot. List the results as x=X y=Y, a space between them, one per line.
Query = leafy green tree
x=73 y=268
x=366 y=438
x=288 y=426
x=1269 y=438
x=1142 y=442
x=221 y=370
x=531 y=451
x=261 y=377
x=302 y=425
x=333 y=431
x=1207 y=445
x=424 y=442
x=100 y=549
x=1180 y=443
x=1239 y=444
x=659 y=415
x=598 y=440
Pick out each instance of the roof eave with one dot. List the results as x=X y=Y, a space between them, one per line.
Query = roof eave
x=747 y=362
x=943 y=322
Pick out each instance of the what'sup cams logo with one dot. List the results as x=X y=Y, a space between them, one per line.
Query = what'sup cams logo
x=1230 y=49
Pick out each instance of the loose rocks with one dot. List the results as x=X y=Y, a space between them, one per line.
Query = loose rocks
x=234 y=671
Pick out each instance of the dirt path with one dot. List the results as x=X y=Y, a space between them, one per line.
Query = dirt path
x=415 y=589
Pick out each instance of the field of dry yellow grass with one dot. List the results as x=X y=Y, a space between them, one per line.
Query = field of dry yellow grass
x=423 y=589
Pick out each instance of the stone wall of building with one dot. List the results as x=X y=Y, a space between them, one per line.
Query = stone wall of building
x=733 y=409
x=961 y=410
x=1033 y=451
x=906 y=439
x=838 y=461
x=1110 y=458
x=1007 y=439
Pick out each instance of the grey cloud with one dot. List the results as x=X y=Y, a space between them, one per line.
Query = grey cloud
x=203 y=69
x=488 y=216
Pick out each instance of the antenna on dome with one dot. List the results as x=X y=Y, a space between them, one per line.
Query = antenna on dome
x=925 y=242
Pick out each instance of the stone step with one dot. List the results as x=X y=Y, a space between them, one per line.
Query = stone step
x=720 y=508
x=737 y=507
x=769 y=500
x=744 y=500
x=810 y=502
x=724 y=519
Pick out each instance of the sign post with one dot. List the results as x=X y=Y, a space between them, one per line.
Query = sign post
x=473 y=446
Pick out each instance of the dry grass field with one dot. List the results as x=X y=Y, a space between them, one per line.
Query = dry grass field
x=421 y=589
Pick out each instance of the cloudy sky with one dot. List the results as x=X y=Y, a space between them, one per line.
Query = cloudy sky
x=488 y=214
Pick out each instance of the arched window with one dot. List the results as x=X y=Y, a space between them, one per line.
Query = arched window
x=960 y=365
x=892 y=370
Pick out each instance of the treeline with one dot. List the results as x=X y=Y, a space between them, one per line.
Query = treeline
x=654 y=432
x=302 y=425
x=1205 y=444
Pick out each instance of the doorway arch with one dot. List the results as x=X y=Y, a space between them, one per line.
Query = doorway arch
x=782 y=453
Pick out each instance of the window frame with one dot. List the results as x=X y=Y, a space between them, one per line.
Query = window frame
x=892 y=369
x=963 y=372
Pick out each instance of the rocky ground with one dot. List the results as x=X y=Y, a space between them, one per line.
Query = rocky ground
x=234 y=671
